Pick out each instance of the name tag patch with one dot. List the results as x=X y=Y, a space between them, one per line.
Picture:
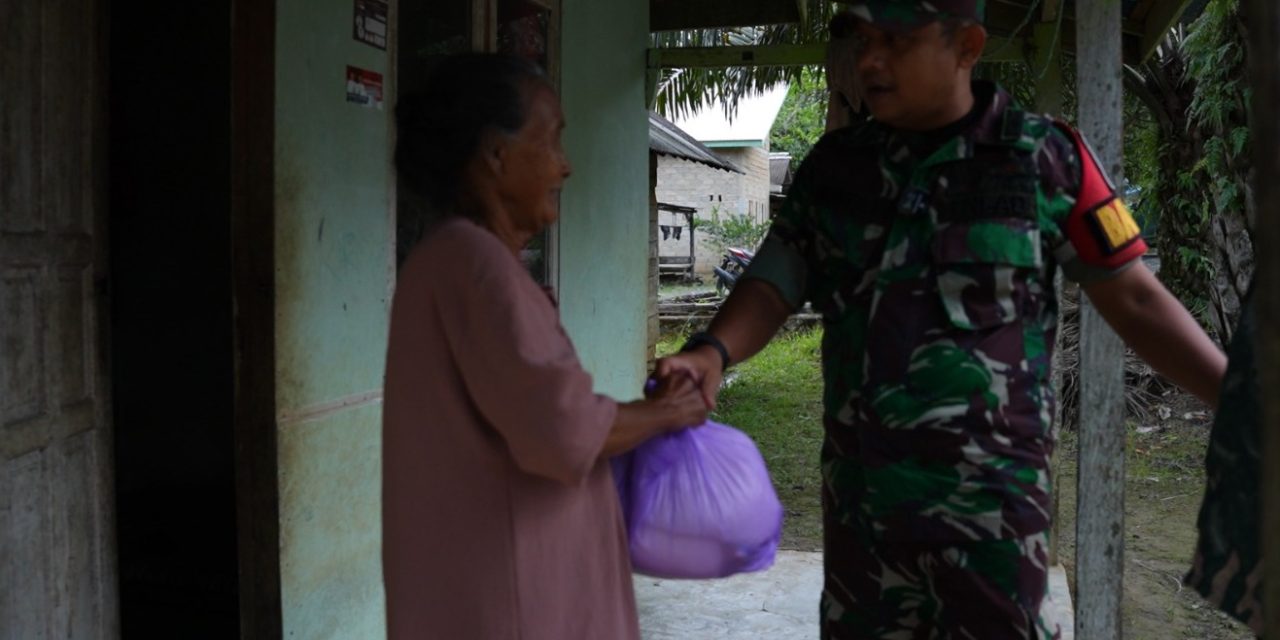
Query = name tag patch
x=980 y=189
x=1114 y=225
x=991 y=205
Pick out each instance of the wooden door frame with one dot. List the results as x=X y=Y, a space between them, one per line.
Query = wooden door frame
x=484 y=37
x=253 y=294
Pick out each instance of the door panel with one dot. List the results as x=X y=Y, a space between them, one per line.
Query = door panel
x=55 y=535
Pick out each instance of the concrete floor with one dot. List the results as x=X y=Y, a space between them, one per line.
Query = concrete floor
x=778 y=604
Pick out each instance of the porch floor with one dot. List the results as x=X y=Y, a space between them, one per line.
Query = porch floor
x=779 y=604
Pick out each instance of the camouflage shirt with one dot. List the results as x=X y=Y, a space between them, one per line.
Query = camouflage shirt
x=933 y=271
x=1227 y=568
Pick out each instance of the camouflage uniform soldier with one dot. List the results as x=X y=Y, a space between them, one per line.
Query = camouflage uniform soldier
x=928 y=239
x=1227 y=567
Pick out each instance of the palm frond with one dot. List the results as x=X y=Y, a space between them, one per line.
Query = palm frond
x=681 y=92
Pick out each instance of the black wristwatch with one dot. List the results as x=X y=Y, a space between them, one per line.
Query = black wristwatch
x=702 y=337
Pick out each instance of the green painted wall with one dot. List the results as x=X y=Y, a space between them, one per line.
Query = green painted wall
x=333 y=243
x=604 y=229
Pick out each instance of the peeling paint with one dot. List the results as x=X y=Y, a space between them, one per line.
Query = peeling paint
x=332 y=248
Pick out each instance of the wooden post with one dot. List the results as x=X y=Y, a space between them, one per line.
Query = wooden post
x=693 y=247
x=253 y=107
x=1047 y=63
x=654 y=329
x=652 y=78
x=1100 y=487
x=1264 y=55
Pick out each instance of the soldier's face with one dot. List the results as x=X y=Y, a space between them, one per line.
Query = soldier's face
x=909 y=79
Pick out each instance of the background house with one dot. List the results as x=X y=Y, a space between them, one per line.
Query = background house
x=691 y=162
x=743 y=141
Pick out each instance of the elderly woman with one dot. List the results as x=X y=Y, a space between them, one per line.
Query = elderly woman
x=500 y=517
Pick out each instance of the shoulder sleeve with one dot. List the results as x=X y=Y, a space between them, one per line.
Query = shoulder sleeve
x=781 y=260
x=1100 y=236
x=518 y=365
x=786 y=257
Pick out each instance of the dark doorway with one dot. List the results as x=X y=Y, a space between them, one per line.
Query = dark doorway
x=171 y=321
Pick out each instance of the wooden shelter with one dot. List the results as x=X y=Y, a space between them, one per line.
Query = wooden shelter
x=1016 y=29
x=1103 y=36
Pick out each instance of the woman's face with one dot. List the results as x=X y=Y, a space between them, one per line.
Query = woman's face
x=534 y=166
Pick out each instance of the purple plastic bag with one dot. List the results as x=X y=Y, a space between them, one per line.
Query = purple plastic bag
x=698 y=504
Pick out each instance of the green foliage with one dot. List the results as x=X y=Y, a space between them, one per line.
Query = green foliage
x=727 y=230
x=682 y=91
x=1186 y=143
x=803 y=117
x=1141 y=165
x=1203 y=152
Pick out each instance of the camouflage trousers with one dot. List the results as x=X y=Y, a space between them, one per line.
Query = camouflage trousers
x=989 y=590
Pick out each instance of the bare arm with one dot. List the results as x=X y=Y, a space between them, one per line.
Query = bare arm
x=1160 y=330
x=746 y=322
x=675 y=405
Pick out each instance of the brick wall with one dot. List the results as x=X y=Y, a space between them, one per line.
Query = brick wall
x=692 y=184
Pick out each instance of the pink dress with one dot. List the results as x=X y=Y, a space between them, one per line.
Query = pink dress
x=499 y=518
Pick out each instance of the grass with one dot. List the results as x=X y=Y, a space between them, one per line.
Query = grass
x=1164 y=483
x=668 y=290
x=776 y=398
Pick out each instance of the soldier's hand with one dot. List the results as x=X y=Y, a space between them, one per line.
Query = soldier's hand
x=701 y=365
x=682 y=398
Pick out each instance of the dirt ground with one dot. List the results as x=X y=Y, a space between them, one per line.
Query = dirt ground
x=1164 y=485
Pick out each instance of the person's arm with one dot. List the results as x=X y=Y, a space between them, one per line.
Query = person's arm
x=1106 y=249
x=749 y=318
x=675 y=405
x=1160 y=330
x=521 y=372
x=774 y=285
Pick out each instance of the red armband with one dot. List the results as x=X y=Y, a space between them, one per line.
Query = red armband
x=1100 y=226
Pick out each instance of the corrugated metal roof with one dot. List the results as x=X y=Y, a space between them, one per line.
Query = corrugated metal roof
x=779 y=172
x=669 y=140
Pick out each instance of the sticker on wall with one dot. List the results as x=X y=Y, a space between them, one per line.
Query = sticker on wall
x=371 y=23
x=364 y=87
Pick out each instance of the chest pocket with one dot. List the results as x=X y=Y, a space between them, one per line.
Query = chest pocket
x=850 y=234
x=986 y=245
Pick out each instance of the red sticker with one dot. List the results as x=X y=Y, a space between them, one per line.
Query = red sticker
x=364 y=87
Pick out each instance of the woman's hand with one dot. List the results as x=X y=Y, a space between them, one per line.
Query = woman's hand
x=681 y=397
x=674 y=403
x=701 y=366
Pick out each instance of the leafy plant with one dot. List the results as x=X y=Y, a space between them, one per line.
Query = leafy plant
x=728 y=230
x=803 y=116
x=682 y=91
x=1196 y=90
